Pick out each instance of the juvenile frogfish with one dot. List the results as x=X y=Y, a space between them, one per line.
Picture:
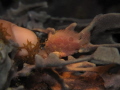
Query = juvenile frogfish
x=67 y=41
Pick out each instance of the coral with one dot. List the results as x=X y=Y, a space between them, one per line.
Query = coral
x=25 y=14
x=59 y=44
x=6 y=63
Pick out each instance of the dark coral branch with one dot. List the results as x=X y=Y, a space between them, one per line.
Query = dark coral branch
x=23 y=7
x=54 y=61
x=6 y=63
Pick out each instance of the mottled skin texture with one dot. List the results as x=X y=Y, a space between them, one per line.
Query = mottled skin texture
x=65 y=42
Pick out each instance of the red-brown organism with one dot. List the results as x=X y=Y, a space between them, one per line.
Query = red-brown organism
x=67 y=41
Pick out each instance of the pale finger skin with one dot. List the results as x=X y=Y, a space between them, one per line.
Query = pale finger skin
x=19 y=35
